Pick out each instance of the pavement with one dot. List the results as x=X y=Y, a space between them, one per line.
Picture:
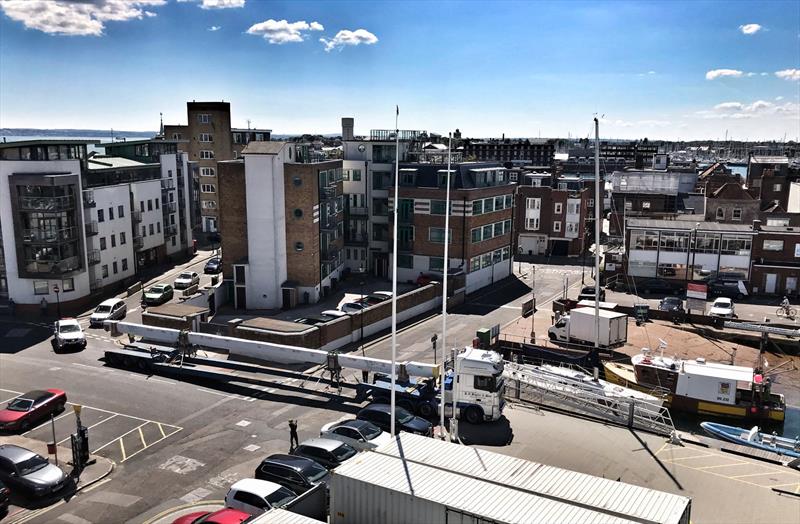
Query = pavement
x=24 y=509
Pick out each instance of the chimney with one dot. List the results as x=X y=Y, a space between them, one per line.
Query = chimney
x=347 y=128
x=756 y=225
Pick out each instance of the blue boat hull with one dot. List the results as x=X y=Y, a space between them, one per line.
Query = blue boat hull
x=782 y=446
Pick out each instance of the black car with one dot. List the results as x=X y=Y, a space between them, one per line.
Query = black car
x=4 y=502
x=380 y=415
x=658 y=286
x=587 y=293
x=297 y=473
x=213 y=266
x=671 y=304
x=727 y=288
x=327 y=452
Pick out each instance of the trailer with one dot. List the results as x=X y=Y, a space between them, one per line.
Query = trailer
x=579 y=327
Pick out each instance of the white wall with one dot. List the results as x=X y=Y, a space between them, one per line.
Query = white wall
x=266 y=229
x=169 y=171
x=144 y=191
x=106 y=198
x=486 y=276
x=21 y=289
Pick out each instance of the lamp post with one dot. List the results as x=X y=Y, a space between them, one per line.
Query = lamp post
x=58 y=301
x=364 y=373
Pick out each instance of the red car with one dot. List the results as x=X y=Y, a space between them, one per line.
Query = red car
x=223 y=516
x=23 y=412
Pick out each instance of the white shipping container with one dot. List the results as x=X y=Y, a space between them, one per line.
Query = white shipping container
x=613 y=326
x=282 y=516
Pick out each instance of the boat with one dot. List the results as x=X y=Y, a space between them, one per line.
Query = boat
x=754 y=438
x=602 y=387
x=697 y=386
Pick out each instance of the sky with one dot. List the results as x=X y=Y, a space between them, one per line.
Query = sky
x=662 y=70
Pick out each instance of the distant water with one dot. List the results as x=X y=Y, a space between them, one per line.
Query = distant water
x=739 y=170
x=89 y=148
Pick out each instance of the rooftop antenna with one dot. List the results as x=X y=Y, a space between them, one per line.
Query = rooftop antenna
x=248 y=123
x=161 y=125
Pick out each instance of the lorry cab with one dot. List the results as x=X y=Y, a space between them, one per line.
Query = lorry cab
x=481 y=389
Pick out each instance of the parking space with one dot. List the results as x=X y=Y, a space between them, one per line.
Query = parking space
x=732 y=467
x=113 y=435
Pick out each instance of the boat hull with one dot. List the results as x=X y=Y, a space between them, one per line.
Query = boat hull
x=779 y=445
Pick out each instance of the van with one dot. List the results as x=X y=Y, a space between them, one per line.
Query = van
x=111 y=309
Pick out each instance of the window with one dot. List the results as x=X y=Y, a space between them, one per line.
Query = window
x=68 y=285
x=144 y=231
x=115 y=267
x=498 y=229
x=158 y=227
x=706 y=243
x=784 y=222
x=157 y=203
x=40 y=287
x=506 y=253
x=101 y=215
x=508 y=200
x=475 y=264
x=111 y=213
x=499 y=203
x=720 y=214
x=113 y=240
x=436 y=263
x=532 y=224
x=122 y=238
x=102 y=243
x=557 y=208
x=141 y=206
x=356 y=175
x=488 y=205
x=205 y=154
x=736 y=245
x=737 y=214
x=556 y=227
x=298 y=213
x=486 y=260
x=208 y=171
x=204 y=118
x=104 y=270
x=644 y=240
x=436 y=235
x=477 y=207
x=121 y=211
x=438 y=207
x=208 y=204
x=298 y=246
x=152 y=229
x=176 y=136
x=346 y=175
x=149 y=204
x=590 y=202
x=776 y=188
x=124 y=264
x=645 y=205
x=772 y=245
x=533 y=203
x=405 y=261
x=207 y=188
x=205 y=137
x=407 y=177
x=488 y=231
x=475 y=234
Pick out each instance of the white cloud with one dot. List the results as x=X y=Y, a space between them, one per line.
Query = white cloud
x=764 y=74
x=75 y=17
x=215 y=28
x=217 y=4
x=651 y=72
x=749 y=29
x=788 y=74
x=283 y=31
x=728 y=105
x=347 y=37
x=757 y=109
x=751 y=74
x=778 y=98
x=717 y=73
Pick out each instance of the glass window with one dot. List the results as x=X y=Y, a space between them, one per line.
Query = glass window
x=772 y=245
x=477 y=207
x=436 y=235
x=102 y=243
x=436 y=263
x=737 y=214
x=475 y=264
x=488 y=231
x=124 y=264
x=498 y=229
x=40 y=287
x=356 y=175
x=101 y=215
x=507 y=226
x=720 y=214
x=149 y=204
x=556 y=227
x=111 y=213
x=644 y=240
x=508 y=201
x=706 y=243
x=113 y=240
x=405 y=261
x=506 y=253
x=122 y=238
x=157 y=203
x=637 y=268
x=736 y=245
x=486 y=260
x=476 y=235
x=499 y=203
x=557 y=208
x=438 y=207
x=104 y=270
x=674 y=241
x=488 y=205
x=120 y=211
x=152 y=229
x=114 y=267
x=346 y=175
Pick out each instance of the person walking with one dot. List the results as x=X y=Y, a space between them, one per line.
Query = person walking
x=293 y=441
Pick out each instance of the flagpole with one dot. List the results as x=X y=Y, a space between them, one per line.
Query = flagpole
x=444 y=284
x=394 y=263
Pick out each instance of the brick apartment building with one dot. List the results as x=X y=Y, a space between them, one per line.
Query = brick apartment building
x=552 y=221
x=776 y=261
x=534 y=152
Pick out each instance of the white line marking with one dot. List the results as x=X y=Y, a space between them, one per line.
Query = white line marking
x=220 y=394
x=119 y=437
x=10 y=399
x=90 y=427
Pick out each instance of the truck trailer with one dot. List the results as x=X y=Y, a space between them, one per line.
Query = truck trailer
x=579 y=327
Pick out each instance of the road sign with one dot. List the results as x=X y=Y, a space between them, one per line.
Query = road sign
x=55 y=288
x=695 y=304
x=697 y=291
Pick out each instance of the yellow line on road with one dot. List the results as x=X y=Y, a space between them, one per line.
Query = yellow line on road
x=753 y=475
x=693 y=457
x=141 y=436
x=150 y=446
x=781 y=485
x=661 y=448
x=122 y=448
x=723 y=465
x=161 y=429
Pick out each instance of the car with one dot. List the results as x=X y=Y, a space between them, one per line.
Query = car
x=213 y=266
x=657 y=286
x=327 y=452
x=376 y=298
x=24 y=411
x=67 y=334
x=333 y=313
x=352 y=307
x=722 y=307
x=32 y=473
x=186 y=279
x=727 y=288
x=222 y=516
x=111 y=309
x=674 y=304
x=297 y=473
x=256 y=496
x=359 y=434
x=157 y=295
x=4 y=499
x=587 y=293
x=380 y=415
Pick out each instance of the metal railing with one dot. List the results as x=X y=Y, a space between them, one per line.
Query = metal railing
x=61 y=203
x=327 y=193
x=389 y=134
x=136 y=216
x=328 y=223
x=48 y=235
x=358 y=210
x=167 y=184
x=170 y=230
x=88 y=199
x=169 y=207
x=94 y=257
x=330 y=253
x=91 y=228
x=52 y=266
x=356 y=238
x=138 y=243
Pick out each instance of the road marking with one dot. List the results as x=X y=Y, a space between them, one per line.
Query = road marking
x=251 y=447
x=141 y=436
x=753 y=475
x=42 y=424
x=181 y=465
x=196 y=495
x=119 y=438
x=149 y=445
x=243 y=423
x=90 y=427
x=10 y=399
x=122 y=448
x=161 y=429
x=283 y=410
x=691 y=457
x=723 y=465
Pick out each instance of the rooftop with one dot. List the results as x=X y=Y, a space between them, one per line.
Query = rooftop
x=47 y=142
x=249 y=130
x=139 y=142
x=263 y=148
x=111 y=162
x=688 y=225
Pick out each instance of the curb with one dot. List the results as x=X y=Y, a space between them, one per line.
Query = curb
x=111 y=467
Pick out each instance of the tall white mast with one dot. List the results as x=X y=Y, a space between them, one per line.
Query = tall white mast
x=444 y=283
x=597 y=206
x=394 y=262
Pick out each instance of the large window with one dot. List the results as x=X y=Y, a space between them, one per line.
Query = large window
x=772 y=245
x=205 y=137
x=638 y=268
x=438 y=207
x=208 y=171
x=736 y=245
x=644 y=240
x=674 y=241
x=405 y=261
x=436 y=263
x=533 y=203
x=383 y=154
x=436 y=235
x=532 y=224
x=706 y=243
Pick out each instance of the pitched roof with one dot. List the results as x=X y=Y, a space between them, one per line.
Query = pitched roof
x=263 y=148
x=730 y=191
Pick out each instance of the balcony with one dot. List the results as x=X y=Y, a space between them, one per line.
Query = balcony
x=95 y=284
x=357 y=211
x=327 y=193
x=136 y=216
x=62 y=203
x=167 y=184
x=47 y=236
x=328 y=223
x=52 y=267
x=356 y=239
x=138 y=243
x=94 y=257
x=170 y=231
x=169 y=207
x=91 y=228
x=88 y=199
x=329 y=254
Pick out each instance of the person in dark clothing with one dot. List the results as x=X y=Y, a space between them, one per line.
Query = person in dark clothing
x=293 y=441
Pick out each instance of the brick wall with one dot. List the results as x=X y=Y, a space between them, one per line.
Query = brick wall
x=233 y=214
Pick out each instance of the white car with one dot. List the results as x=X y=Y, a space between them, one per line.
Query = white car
x=360 y=434
x=352 y=307
x=255 y=496
x=186 y=279
x=67 y=333
x=722 y=307
x=111 y=309
x=334 y=313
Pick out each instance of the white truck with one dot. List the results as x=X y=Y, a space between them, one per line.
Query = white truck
x=578 y=328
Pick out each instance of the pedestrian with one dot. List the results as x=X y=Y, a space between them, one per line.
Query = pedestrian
x=43 y=306
x=293 y=441
x=11 y=306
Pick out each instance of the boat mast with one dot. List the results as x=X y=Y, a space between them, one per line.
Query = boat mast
x=597 y=206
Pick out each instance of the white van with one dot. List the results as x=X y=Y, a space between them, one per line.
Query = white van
x=111 y=309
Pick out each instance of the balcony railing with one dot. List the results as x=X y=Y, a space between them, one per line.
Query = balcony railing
x=170 y=231
x=328 y=223
x=169 y=207
x=329 y=254
x=327 y=193
x=46 y=236
x=357 y=210
x=167 y=184
x=94 y=257
x=356 y=238
x=91 y=228
x=138 y=243
x=95 y=285
x=62 y=203
x=136 y=216
x=52 y=267
x=88 y=199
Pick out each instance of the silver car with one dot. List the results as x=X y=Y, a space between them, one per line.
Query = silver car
x=30 y=472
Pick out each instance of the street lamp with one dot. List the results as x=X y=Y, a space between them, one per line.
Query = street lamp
x=364 y=373
x=58 y=301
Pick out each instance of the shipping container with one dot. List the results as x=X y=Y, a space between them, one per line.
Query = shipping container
x=579 y=326
x=282 y=516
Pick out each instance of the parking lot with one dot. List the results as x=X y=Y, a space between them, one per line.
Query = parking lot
x=116 y=436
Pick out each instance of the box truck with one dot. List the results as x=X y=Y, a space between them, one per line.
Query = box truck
x=578 y=328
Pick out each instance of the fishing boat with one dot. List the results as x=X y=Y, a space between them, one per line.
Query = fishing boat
x=754 y=438
x=697 y=386
x=602 y=387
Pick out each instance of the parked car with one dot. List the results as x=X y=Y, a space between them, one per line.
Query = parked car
x=727 y=288
x=722 y=307
x=157 y=295
x=67 y=334
x=4 y=499
x=111 y=309
x=587 y=293
x=23 y=412
x=295 y=472
x=674 y=304
x=255 y=496
x=222 y=516
x=377 y=298
x=32 y=473
x=359 y=434
x=186 y=279
x=658 y=286
x=327 y=452
x=213 y=266
x=333 y=313
x=380 y=415
x=352 y=307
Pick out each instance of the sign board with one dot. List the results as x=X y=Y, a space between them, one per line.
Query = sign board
x=697 y=291
x=611 y=267
x=695 y=304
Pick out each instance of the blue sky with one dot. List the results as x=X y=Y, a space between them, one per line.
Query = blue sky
x=656 y=69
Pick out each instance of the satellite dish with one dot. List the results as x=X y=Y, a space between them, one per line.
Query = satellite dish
x=362 y=148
